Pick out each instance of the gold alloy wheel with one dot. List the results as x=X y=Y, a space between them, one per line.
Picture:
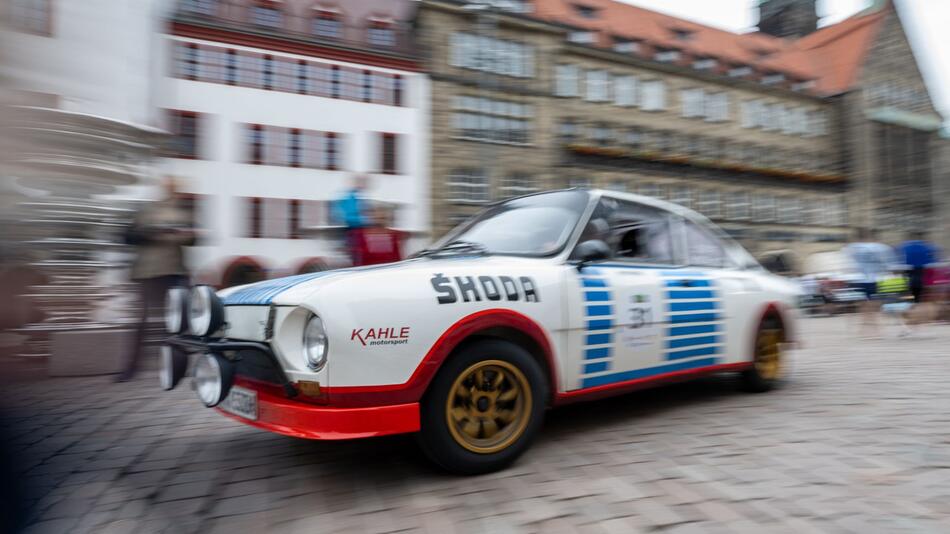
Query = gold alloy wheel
x=768 y=354
x=488 y=406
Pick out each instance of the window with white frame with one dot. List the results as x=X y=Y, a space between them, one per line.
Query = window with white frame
x=760 y=113
x=705 y=63
x=799 y=121
x=653 y=95
x=601 y=134
x=740 y=71
x=737 y=205
x=763 y=208
x=201 y=7
x=773 y=117
x=566 y=80
x=468 y=186
x=327 y=24
x=682 y=195
x=787 y=120
x=817 y=123
x=487 y=119
x=747 y=113
x=597 y=85
x=691 y=101
x=650 y=190
x=380 y=33
x=567 y=129
x=709 y=203
x=517 y=184
x=626 y=46
x=667 y=55
x=582 y=37
x=625 y=90
x=265 y=14
x=489 y=54
x=633 y=137
x=789 y=210
x=579 y=181
x=717 y=107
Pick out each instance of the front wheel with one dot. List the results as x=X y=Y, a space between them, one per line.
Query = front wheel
x=768 y=361
x=483 y=408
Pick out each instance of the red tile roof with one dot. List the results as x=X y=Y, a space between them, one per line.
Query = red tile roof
x=831 y=56
x=837 y=52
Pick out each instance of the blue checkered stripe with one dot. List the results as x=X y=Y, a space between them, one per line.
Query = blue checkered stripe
x=692 y=336
x=694 y=318
x=598 y=322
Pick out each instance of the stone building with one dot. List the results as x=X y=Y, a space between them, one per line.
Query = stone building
x=768 y=136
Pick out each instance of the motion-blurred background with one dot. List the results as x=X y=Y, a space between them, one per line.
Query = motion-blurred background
x=260 y=115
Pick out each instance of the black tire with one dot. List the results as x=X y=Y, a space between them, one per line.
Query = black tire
x=448 y=444
x=761 y=377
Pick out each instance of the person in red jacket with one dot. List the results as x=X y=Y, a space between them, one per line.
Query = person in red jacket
x=377 y=242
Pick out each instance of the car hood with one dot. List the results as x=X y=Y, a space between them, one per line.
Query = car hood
x=294 y=290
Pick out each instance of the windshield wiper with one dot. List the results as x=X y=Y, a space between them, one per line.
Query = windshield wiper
x=459 y=246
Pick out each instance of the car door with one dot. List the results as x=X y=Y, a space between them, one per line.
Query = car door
x=615 y=314
x=719 y=333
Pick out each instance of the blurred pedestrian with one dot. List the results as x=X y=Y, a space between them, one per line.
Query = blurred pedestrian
x=159 y=233
x=351 y=211
x=377 y=242
x=874 y=261
x=918 y=254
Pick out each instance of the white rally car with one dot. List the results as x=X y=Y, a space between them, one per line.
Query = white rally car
x=536 y=302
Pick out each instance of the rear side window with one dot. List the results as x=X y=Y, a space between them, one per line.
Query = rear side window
x=703 y=248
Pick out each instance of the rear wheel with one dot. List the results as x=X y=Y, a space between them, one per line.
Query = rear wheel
x=768 y=363
x=483 y=408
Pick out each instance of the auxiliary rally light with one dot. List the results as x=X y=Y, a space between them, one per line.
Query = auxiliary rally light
x=214 y=375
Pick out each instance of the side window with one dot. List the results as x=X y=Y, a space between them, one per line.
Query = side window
x=634 y=232
x=704 y=248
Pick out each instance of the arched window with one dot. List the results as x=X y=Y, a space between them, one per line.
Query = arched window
x=267 y=13
x=327 y=23
x=243 y=270
x=312 y=265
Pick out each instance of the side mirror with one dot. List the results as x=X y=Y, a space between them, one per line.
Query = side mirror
x=590 y=251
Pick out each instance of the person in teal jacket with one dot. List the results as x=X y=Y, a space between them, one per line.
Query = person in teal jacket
x=351 y=211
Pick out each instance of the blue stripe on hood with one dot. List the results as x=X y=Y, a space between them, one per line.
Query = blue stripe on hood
x=263 y=293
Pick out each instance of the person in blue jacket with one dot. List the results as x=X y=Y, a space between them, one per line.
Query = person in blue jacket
x=917 y=254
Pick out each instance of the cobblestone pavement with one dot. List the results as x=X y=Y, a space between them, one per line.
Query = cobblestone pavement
x=857 y=441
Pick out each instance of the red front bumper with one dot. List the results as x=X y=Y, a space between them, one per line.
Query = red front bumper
x=302 y=420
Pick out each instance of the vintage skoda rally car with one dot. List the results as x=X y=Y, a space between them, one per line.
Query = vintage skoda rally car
x=537 y=301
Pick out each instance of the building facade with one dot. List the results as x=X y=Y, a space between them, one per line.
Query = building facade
x=749 y=129
x=275 y=107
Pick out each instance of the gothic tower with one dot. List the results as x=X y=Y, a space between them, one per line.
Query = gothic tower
x=787 y=18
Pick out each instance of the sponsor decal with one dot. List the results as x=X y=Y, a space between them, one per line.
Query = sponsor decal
x=479 y=288
x=390 y=335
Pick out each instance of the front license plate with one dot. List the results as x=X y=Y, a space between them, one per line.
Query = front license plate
x=241 y=401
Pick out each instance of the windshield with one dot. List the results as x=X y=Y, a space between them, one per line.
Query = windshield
x=536 y=225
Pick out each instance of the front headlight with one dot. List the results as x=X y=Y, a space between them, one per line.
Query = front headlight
x=205 y=311
x=315 y=343
x=175 y=309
